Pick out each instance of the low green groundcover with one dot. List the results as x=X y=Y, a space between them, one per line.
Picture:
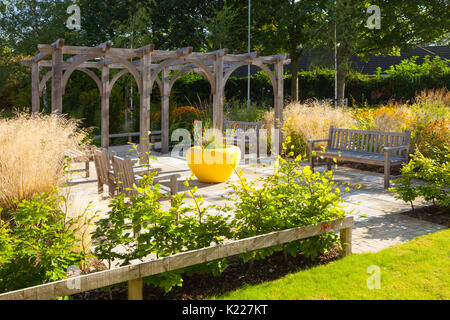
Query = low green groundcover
x=419 y=269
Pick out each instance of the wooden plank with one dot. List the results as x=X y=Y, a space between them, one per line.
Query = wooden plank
x=377 y=149
x=165 y=112
x=371 y=142
x=218 y=95
x=330 y=138
x=105 y=107
x=366 y=141
x=241 y=57
x=341 y=144
x=387 y=169
x=132 y=272
x=278 y=89
x=271 y=59
x=135 y=289
x=35 y=94
x=39 y=57
x=338 y=135
x=144 y=126
x=57 y=59
x=346 y=241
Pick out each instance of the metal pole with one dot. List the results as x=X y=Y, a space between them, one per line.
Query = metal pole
x=335 y=57
x=248 y=67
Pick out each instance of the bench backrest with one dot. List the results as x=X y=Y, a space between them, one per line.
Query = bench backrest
x=367 y=141
x=123 y=171
x=101 y=165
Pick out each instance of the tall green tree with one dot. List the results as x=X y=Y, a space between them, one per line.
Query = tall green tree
x=404 y=24
x=223 y=29
x=285 y=26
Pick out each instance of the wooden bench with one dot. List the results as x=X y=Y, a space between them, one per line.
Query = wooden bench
x=369 y=147
x=242 y=141
x=105 y=171
x=79 y=156
x=126 y=177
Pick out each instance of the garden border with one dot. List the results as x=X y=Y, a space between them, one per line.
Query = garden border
x=135 y=273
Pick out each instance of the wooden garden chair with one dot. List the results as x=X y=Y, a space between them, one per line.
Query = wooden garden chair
x=126 y=177
x=105 y=170
x=79 y=156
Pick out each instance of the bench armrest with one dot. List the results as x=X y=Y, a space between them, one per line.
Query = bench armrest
x=319 y=140
x=311 y=143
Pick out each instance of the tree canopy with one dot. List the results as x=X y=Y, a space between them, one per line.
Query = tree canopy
x=289 y=26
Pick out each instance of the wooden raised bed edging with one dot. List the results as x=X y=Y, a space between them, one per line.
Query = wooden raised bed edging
x=134 y=273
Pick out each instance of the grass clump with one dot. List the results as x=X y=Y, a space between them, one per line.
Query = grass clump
x=32 y=154
x=310 y=120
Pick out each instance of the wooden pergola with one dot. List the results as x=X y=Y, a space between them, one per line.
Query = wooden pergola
x=160 y=66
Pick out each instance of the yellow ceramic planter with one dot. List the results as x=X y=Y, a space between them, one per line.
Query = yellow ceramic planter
x=213 y=165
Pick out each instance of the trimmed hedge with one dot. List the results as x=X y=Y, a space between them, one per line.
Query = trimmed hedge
x=401 y=82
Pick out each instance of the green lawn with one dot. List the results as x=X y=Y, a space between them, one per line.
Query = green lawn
x=419 y=269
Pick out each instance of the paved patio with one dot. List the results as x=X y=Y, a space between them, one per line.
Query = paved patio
x=378 y=222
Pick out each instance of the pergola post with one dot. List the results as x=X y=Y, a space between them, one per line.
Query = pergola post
x=278 y=101
x=218 y=94
x=144 y=143
x=165 y=111
x=57 y=71
x=35 y=96
x=105 y=93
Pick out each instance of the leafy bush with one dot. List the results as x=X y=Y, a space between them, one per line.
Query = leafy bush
x=143 y=227
x=40 y=243
x=409 y=77
x=236 y=110
x=397 y=118
x=426 y=118
x=424 y=177
x=32 y=154
x=294 y=196
x=434 y=139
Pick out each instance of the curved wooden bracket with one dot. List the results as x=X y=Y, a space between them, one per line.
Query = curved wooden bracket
x=93 y=77
x=44 y=80
x=90 y=73
x=116 y=77
x=76 y=62
x=132 y=69
x=256 y=64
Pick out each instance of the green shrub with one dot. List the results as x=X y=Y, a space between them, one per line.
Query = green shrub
x=143 y=227
x=408 y=77
x=40 y=244
x=294 y=196
x=434 y=181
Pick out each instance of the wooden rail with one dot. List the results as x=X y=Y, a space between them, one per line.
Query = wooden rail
x=129 y=134
x=136 y=272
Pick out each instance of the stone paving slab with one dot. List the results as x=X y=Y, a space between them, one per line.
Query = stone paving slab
x=378 y=224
